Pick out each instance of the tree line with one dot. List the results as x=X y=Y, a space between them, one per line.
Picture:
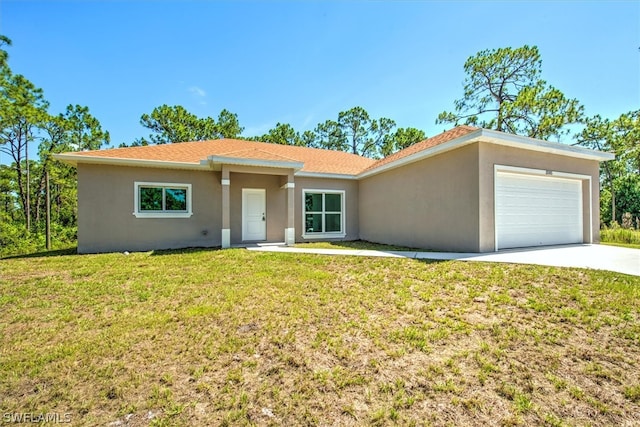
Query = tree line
x=354 y=131
x=38 y=194
x=503 y=90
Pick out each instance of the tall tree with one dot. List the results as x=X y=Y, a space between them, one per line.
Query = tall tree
x=24 y=121
x=283 y=134
x=23 y=109
x=503 y=91
x=401 y=139
x=355 y=132
x=620 y=136
x=8 y=203
x=308 y=138
x=329 y=135
x=84 y=130
x=628 y=128
x=74 y=130
x=176 y=124
x=4 y=55
x=228 y=125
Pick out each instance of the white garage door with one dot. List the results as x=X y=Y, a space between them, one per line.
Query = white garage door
x=537 y=210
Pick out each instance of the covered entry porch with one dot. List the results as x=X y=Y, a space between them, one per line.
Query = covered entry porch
x=257 y=200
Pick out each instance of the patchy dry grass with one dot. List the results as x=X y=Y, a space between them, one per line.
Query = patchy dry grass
x=355 y=244
x=234 y=337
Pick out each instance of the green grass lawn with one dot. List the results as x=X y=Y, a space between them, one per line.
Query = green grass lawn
x=233 y=337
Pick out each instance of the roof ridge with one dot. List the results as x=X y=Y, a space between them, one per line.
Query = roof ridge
x=235 y=151
x=279 y=155
x=253 y=149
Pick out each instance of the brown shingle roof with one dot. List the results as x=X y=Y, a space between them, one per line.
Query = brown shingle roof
x=447 y=136
x=314 y=159
x=256 y=154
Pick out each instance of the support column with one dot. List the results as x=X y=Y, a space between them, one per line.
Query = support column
x=290 y=231
x=226 y=209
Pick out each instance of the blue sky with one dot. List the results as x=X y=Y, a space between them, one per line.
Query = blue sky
x=303 y=62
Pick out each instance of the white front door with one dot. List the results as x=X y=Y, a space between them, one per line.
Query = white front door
x=254 y=219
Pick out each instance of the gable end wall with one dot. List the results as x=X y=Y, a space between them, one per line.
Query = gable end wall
x=429 y=204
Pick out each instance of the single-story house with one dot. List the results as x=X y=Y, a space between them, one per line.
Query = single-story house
x=467 y=189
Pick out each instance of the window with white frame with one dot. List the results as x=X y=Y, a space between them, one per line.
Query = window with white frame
x=162 y=200
x=323 y=213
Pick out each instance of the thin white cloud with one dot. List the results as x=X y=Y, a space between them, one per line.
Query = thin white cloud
x=199 y=92
x=307 y=121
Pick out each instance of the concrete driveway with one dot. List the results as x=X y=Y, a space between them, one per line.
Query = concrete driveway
x=598 y=257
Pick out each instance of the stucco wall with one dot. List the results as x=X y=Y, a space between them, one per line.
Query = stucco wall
x=431 y=204
x=351 y=189
x=106 y=203
x=492 y=154
x=445 y=202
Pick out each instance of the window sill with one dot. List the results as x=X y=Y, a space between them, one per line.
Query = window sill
x=324 y=236
x=163 y=214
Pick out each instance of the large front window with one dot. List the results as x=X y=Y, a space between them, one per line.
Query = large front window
x=323 y=213
x=162 y=200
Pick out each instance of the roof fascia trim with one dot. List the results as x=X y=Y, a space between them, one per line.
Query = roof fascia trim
x=326 y=175
x=498 y=138
x=423 y=154
x=519 y=141
x=75 y=160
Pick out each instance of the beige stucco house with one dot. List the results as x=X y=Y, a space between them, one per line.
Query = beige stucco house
x=467 y=189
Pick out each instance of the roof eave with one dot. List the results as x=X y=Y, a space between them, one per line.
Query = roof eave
x=74 y=159
x=498 y=138
x=420 y=155
x=506 y=139
x=326 y=175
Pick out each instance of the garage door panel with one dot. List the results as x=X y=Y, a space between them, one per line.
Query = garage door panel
x=537 y=210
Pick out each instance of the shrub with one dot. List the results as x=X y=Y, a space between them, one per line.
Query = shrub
x=617 y=234
x=14 y=239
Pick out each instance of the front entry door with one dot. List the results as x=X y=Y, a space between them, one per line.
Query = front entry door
x=254 y=219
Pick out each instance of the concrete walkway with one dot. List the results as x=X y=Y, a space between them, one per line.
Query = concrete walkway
x=598 y=257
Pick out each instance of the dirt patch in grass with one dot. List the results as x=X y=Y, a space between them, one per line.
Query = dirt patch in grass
x=355 y=244
x=243 y=338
